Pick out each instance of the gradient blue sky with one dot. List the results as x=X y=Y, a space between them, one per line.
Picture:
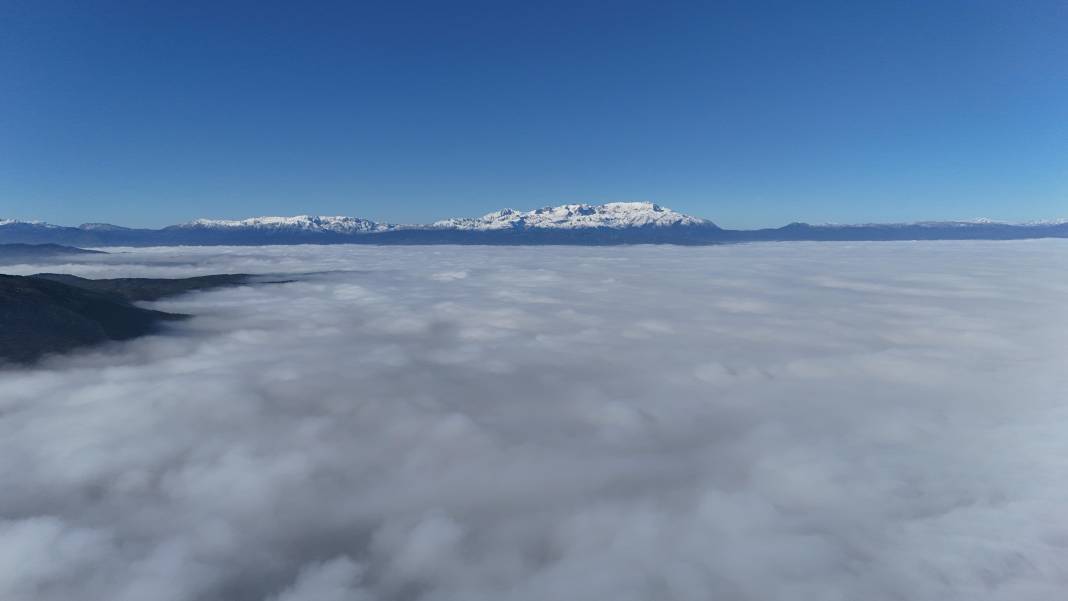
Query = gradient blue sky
x=748 y=113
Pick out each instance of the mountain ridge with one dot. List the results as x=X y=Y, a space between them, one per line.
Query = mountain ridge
x=54 y=313
x=22 y=252
x=583 y=224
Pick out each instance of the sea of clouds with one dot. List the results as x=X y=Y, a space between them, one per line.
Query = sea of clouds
x=877 y=421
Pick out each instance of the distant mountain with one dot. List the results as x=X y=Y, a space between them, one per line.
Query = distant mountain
x=102 y=227
x=925 y=230
x=13 y=231
x=613 y=215
x=300 y=223
x=23 y=252
x=583 y=224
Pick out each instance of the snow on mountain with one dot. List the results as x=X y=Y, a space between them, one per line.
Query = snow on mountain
x=102 y=227
x=614 y=215
x=31 y=223
x=304 y=223
x=967 y=223
x=611 y=223
x=1046 y=222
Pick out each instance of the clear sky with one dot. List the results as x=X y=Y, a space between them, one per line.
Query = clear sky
x=748 y=113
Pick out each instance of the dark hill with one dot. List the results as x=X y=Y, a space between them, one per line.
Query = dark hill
x=148 y=289
x=55 y=313
x=39 y=316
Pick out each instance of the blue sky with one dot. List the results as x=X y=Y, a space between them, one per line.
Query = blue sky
x=747 y=113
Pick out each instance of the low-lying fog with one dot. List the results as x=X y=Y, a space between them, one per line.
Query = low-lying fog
x=755 y=422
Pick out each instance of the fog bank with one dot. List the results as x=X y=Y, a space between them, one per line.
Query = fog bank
x=768 y=422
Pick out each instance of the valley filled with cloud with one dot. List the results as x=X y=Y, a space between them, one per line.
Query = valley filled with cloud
x=772 y=421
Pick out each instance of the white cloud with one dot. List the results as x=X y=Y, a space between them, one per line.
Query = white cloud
x=776 y=421
x=335 y=580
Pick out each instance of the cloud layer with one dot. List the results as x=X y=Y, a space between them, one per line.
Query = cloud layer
x=773 y=422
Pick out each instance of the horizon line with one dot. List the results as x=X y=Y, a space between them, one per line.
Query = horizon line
x=428 y=224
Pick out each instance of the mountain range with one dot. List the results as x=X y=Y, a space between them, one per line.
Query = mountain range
x=585 y=224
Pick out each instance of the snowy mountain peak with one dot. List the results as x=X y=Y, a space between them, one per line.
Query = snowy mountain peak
x=101 y=227
x=308 y=223
x=1046 y=222
x=613 y=215
x=21 y=222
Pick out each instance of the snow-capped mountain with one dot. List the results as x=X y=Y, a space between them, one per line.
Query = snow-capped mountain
x=613 y=215
x=1046 y=222
x=102 y=227
x=20 y=223
x=302 y=223
x=580 y=224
